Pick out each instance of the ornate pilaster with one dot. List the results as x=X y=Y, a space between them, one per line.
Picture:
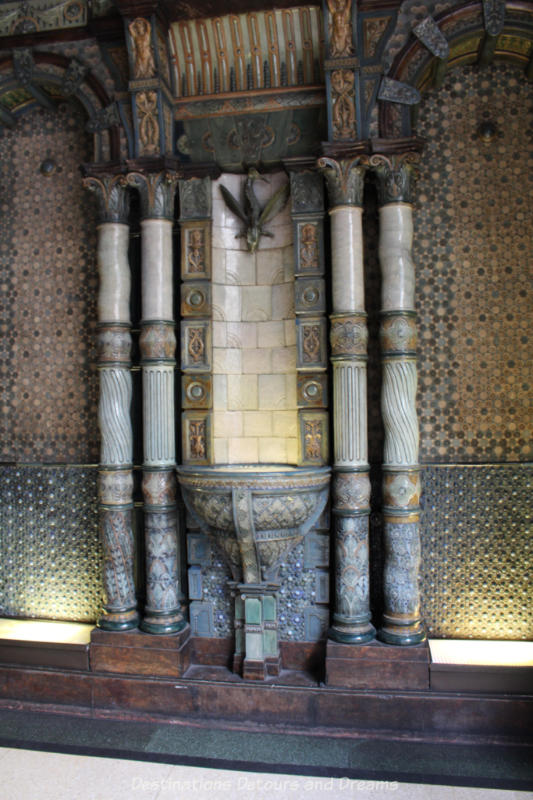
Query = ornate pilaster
x=196 y=312
x=114 y=345
x=157 y=346
x=348 y=337
x=401 y=473
x=307 y=198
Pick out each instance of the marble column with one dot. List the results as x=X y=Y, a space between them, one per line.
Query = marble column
x=157 y=342
x=115 y=481
x=402 y=624
x=348 y=336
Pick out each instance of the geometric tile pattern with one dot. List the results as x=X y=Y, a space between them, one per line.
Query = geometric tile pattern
x=477 y=552
x=48 y=286
x=50 y=558
x=472 y=247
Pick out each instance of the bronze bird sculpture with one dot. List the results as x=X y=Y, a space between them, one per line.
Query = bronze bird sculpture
x=251 y=213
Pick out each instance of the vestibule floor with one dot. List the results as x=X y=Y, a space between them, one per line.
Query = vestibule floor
x=36 y=743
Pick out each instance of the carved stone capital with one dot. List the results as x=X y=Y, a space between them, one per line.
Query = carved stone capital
x=348 y=335
x=345 y=180
x=159 y=487
x=398 y=333
x=114 y=345
x=351 y=491
x=115 y=487
x=157 y=192
x=112 y=197
x=396 y=176
x=157 y=342
x=401 y=490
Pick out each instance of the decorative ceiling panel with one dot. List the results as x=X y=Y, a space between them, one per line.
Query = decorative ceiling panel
x=246 y=52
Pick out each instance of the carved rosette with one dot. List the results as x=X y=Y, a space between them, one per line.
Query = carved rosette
x=343 y=115
x=345 y=180
x=401 y=492
x=396 y=176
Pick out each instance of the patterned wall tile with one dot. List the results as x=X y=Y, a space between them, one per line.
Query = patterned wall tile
x=48 y=292
x=472 y=248
x=50 y=559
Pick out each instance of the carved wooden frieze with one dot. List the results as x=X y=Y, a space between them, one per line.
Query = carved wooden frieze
x=343 y=113
x=340 y=28
x=142 y=51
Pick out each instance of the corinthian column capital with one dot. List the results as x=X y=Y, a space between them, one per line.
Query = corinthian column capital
x=396 y=176
x=112 y=196
x=157 y=192
x=345 y=180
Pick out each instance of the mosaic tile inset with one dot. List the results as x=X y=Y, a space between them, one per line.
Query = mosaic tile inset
x=472 y=250
x=47 y=292
x=477 y=559
x=50 y=559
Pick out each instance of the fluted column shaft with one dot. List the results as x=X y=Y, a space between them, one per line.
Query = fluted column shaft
x=115 y=482
x=401 y=472
x=348 y=335
x=157 y=346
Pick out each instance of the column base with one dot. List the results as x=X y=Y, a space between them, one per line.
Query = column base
x=118 y=621
x=163 y=624
x=136 y=653
x=402 y=635
x=377 y=666
x=259 y=670
x=351 y=632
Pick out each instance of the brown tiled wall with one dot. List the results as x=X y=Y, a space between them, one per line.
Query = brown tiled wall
x=48 y=293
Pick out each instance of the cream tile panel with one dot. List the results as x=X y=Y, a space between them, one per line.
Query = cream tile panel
x=284 y=359
x=243 y=451
x=272 y=450
x=218 y=266
x=241 y=334
x=292 y=451
x=285 y=423
x=283 y=301
x=227 y=361
x=290 y=391
x=220 y=450
x=257 y=361
x=242 y=392
x=272 y=392
x=258 y=423
x=290 y=332
x=282 y=235
x=226 y=303
x=270 y=267
x=256 y=303
x=270 y=334
x=220 y=392
x=225 y=238
x=228 y=424
x=288 y=262
x=240 y=268
x=220 y=334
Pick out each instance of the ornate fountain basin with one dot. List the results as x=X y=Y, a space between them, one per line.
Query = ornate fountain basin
x=255 y=513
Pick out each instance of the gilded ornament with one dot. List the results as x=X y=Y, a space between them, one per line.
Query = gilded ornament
x=313 y=435
x=195 y=250
x=308 y=252
x=343 y=108
x=373 y=30
x=340 y=28
x=148 y=122
x=197 y=439
x=143 y=55
x=311 y=343
x=196 y=344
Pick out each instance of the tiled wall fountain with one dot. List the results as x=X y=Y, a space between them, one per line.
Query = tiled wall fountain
x=246 y=477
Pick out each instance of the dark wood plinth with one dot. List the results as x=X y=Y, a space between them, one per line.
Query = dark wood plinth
x=475 y=678
x=138 y=653
x=377 y=666
x=44 y=654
